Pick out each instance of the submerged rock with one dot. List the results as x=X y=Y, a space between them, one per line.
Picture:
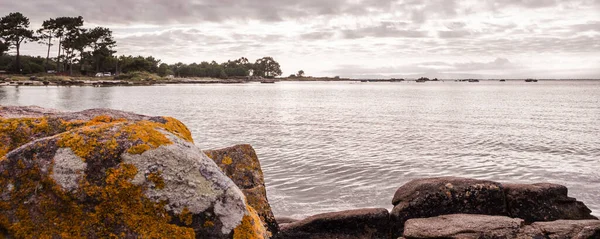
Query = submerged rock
x=241 y=164
x=356 y=224
x=543 y=202
x=106 y=173
x=424 y=198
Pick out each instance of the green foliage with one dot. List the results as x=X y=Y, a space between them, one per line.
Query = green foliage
x=267 y=67
x=3 y=48
x=163 y=70
x=14 y=32
x=300 y=73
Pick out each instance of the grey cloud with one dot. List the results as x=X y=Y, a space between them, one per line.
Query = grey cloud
x=454 y=34
x=188 y=11
x=317 y=35
x=431 y=69
x=384 y=29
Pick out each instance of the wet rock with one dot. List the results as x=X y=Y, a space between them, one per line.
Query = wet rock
x=362 y=223
x=463 y=226
x=241 y=164
x=432 y=197
x=543 y=202
x=105 y=173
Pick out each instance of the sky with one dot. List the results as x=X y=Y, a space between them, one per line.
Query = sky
x=351 y=38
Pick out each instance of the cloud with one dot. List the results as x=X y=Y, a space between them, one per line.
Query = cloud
x=319 y=36
x=437 y=69
x=383 y=30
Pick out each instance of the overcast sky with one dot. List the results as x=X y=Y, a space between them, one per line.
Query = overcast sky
x=352 y=38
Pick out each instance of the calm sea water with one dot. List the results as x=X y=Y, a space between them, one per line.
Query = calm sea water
x=335 y=146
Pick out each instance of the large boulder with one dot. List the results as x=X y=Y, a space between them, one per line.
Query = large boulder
x=463 y=226
x=105 y=173
x=432 y=197
x=354 y=224
x=543 y=202
x=241 y=164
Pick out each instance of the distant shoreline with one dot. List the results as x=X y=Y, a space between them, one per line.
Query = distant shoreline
x=110 y=81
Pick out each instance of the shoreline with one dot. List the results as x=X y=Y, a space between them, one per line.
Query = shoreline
x=181 y=81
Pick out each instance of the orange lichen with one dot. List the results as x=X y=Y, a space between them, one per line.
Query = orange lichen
x=227 y=160
x=208 y=223
x=186 y=217
x=251 y=226
x=120 y=209
x=146 y=133
x=113 y=207
x=177 y=128
x=15 y=133
x=87 y=140
x=156 y=179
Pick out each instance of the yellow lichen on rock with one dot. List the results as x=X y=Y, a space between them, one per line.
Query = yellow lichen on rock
x=227 y=160
x=177 y=128
x=121 y=209
x=15 y=133
x=145 y=133
x=251 y=227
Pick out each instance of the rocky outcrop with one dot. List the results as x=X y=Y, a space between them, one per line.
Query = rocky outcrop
x=461 y=226
x=543 y=202
x=441 y=196
x=356 y=224
x=241 y=164
x=433 y=197
x=106 y=173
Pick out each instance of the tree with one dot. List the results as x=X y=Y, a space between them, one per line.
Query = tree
x=267 y=67
x=102 y=43
x=45 y=35
x=63 y=27
x=163 y=69
x=76 y=39
x=3 y=48
x=300 y=73
x=14 y=30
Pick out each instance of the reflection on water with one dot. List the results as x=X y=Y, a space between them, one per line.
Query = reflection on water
x=334 y=146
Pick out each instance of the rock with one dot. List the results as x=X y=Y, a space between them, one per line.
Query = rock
x=362 y=223
x=241 y=164
x=432 y=197
x=483 y=226
x=285 y=220
x=105 y=173
x=543 y=202
x=463 y=226
x=575 y=229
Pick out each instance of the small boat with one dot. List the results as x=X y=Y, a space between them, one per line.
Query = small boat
x=267 y=81
x=502 y=80
x=531 y=80
x=473 y=80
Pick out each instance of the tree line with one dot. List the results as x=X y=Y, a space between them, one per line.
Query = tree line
x=87 y=51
